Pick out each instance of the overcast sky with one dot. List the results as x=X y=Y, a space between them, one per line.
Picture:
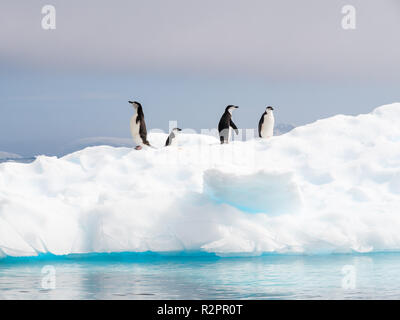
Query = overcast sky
x=186 y=60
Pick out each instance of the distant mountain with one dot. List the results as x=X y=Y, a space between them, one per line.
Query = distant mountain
x=8 y=155
x=282 y=128
x=13 y=157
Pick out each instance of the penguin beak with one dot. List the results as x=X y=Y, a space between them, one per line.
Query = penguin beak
x=179 y=129
x=131 y=102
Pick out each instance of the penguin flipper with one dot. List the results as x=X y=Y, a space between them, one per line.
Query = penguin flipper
x=233 y=125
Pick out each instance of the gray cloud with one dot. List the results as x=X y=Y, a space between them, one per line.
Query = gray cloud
x=281 y=39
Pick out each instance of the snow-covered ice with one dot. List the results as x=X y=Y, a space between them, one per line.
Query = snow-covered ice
x=330 y=186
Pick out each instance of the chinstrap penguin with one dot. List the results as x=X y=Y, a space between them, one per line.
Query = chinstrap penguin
x=266 y=124
x=138 y=126
x=172 y=138
x=226 y=123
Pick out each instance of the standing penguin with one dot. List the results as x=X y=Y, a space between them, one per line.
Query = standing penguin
x=266 y=124
x=138 y=126
x=226 y=123
x=171 y=140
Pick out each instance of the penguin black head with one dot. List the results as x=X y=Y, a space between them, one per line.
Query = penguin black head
x=135 y=104
x=176 y=130
x=230 y=108
x=269 y=108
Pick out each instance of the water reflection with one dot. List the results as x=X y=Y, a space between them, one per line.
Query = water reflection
x=267 y=277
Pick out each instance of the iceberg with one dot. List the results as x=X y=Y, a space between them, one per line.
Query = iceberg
x=326 y=187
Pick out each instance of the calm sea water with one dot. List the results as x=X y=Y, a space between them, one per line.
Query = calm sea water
x=133 y=276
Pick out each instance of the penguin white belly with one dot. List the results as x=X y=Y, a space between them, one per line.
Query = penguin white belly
x=135 y=127
x=267 y=129
x=174 y=142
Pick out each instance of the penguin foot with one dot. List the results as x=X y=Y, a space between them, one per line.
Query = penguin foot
x=138 y=148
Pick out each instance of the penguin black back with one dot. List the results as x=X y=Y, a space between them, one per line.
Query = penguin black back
x=260 y=123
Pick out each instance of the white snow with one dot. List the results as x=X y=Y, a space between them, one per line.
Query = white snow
x=96 y=141
x=330 y=186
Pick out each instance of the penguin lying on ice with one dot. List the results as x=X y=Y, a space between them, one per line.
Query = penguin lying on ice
x=172 y=139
